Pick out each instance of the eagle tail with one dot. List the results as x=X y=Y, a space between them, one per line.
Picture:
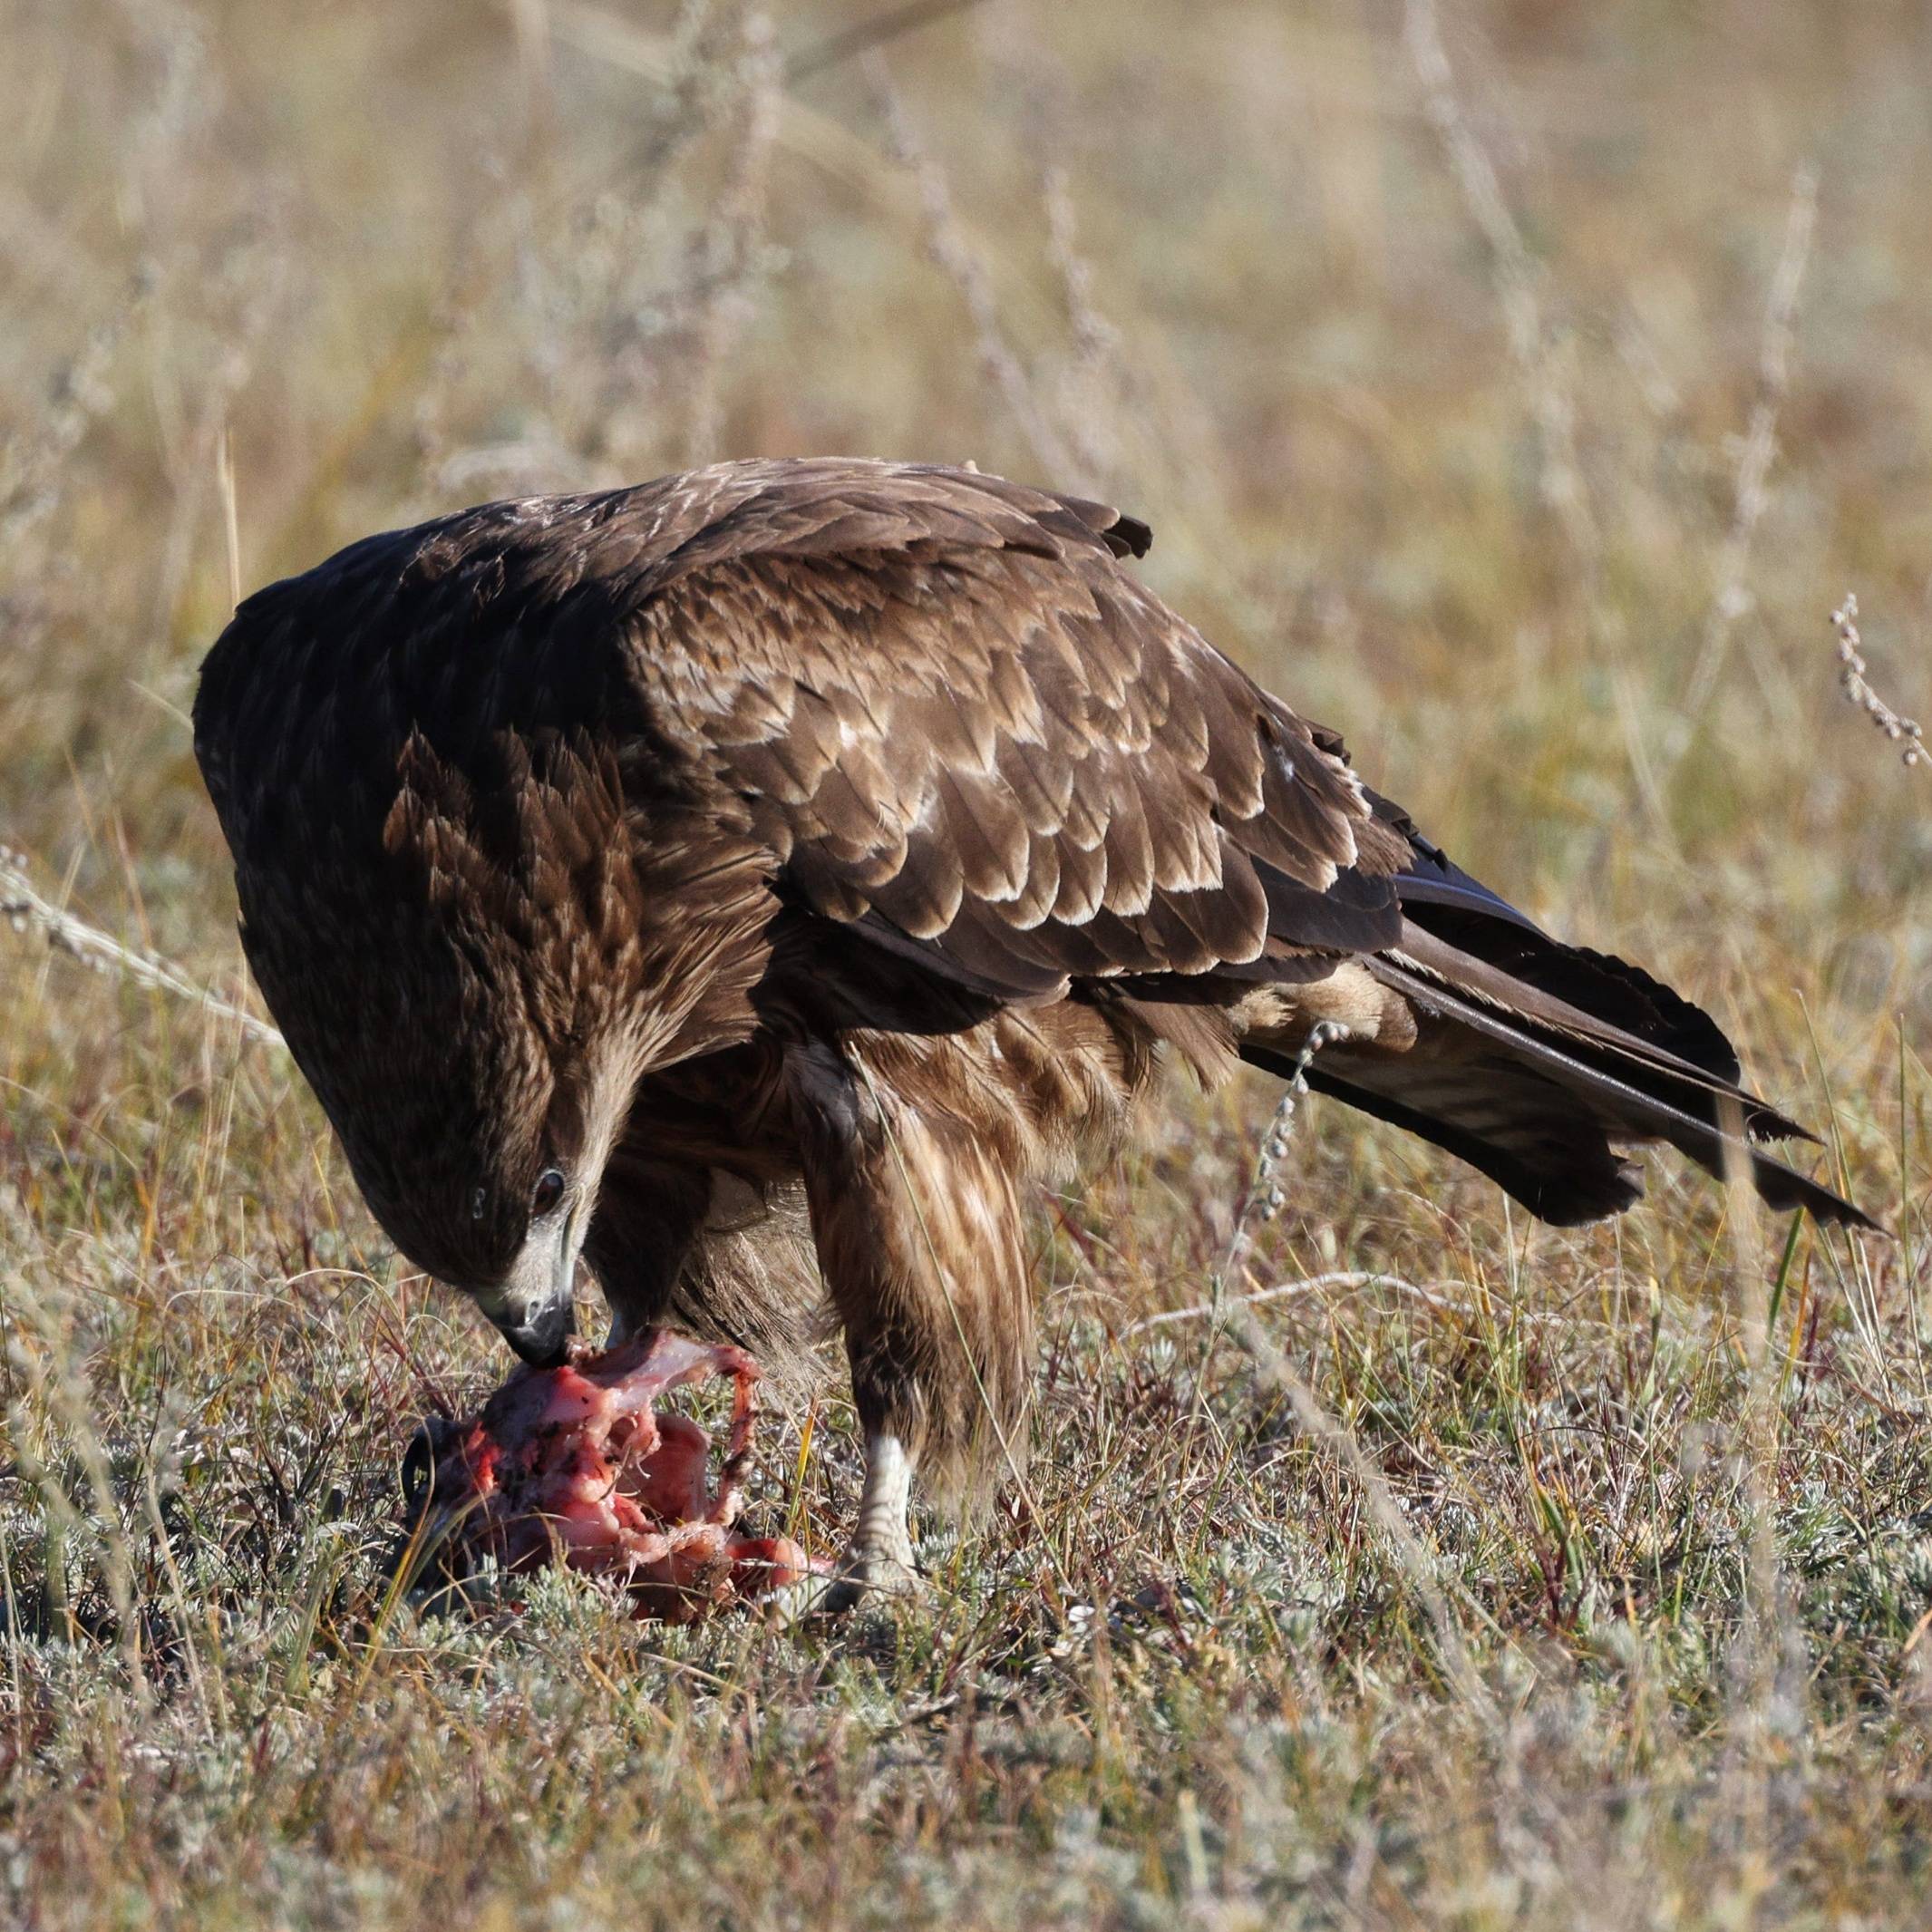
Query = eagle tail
x=1539 y=1063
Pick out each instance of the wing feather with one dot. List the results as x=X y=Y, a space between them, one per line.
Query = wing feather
x=937 y=700
x=997 y=741
x=930 y=709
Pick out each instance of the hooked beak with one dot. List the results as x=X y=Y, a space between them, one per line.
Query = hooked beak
x=544 y=1341
x=535 y=1309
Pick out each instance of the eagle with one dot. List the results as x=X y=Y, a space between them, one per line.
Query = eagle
x=750 y=884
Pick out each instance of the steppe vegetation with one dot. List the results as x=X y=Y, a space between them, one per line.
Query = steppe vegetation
x=1520 y=387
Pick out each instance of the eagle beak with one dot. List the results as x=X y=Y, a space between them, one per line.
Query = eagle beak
x=536 y=1308
x=544 y=1340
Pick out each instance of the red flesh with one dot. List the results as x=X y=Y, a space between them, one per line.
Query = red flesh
x=574 y=1464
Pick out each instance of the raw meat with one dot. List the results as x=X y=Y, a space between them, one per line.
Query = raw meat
x=573 y=1464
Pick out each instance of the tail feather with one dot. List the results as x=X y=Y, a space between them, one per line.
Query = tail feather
x=1606 y=988
x=1537 y=1062
x=1625 y=1093
x=1698 y=1087
x=1525 y=1133
x=1539 y=1094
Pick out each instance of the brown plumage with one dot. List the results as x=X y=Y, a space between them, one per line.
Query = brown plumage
x=643 y=874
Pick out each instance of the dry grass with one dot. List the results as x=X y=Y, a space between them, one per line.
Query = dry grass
x=1492 y=394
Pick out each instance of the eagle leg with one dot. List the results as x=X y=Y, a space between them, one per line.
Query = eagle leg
x=880 y=1560
x=643 y=1234
x=916 y=1214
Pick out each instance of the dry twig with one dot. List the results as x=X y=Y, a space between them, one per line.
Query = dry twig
x=948 y=243
x=726 y=251
x=1519 y=279
x=848 y=43
x=1855 y=679
x=1416 y=1562
x=1428 y=1293
x=27 y=910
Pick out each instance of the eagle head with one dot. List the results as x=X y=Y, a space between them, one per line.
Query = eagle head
x=474 y=999
x=477 y=1118
x=474 y=961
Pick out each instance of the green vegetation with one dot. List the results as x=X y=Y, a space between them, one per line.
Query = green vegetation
x=1517 y=387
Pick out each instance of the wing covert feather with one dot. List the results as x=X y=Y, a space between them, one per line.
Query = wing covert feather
x=952 y=710
x=934 y=697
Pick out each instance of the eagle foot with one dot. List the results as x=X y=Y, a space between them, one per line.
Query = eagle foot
x=871 y=1578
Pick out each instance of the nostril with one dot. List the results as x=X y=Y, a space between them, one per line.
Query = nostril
x=544 y=1341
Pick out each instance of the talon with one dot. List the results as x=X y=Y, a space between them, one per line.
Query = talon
x=872 y=1577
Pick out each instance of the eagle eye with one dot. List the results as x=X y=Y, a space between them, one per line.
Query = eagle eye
x=549 y=1191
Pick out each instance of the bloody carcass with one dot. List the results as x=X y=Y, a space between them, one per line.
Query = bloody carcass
x=576 y=1465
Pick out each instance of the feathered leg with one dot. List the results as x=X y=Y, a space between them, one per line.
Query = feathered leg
x=916 y=1220
x=644 y=1233
x=717 y=1258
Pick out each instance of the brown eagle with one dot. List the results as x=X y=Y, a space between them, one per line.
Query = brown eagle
x=808 y=855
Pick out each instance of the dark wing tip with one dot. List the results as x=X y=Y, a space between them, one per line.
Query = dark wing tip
x=1762 y=1122
x=1125 y=536
x=1785 y=1188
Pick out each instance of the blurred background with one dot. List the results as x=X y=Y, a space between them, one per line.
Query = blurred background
x=1516 y=385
